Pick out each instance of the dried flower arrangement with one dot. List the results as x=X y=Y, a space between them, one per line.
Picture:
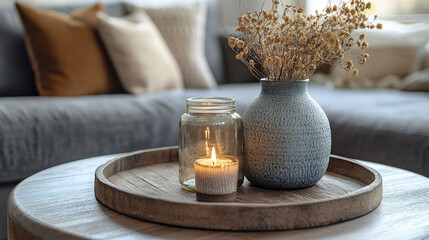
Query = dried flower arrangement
x=292 y=46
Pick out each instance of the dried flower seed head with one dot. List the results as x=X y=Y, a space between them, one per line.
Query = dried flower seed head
x=328 y=34
x=232 y=41
x=362 y=25
x=240 y=44
x=246 y=50
x=278 y=60
x=355 y=72
x=286 y=18
x=350 y=64
x=364 y=45
x=328 y=10
x=327 y=47
x=346 y=10
x=379 y=26
x=368 y=5
x=267 y=53
x=362 y=37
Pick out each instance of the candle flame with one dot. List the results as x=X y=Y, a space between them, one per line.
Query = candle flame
x=213 y=156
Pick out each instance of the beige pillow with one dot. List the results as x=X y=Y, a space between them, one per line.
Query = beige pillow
x=394 y=53
x=384 y=64
x=182 y=26
x=141 y=57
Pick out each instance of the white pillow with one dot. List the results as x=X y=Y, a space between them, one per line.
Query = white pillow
x=141 y=57
x=182 y=26
x=394 y=52
x=383 y=61
x=396 y=34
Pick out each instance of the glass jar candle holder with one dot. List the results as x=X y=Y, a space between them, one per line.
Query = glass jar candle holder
x=209 y=125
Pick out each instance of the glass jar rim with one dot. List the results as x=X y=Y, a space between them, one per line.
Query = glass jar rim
x=210 y=104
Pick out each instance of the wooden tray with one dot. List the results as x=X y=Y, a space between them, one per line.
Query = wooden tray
x=145 y=185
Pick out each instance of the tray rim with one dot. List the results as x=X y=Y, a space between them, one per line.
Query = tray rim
x=374 y=186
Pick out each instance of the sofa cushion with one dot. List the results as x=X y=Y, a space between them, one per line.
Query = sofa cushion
x=66 y=52
x=140 y=55
x=16 y=75
x=385 y=126
x=212 y=48
x=182 y=27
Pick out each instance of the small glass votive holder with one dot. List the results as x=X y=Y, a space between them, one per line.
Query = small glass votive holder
x=209 y=123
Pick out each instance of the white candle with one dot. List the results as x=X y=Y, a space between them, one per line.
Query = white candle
x=216 y=178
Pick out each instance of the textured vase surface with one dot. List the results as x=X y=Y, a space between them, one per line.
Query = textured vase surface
x=287 y=137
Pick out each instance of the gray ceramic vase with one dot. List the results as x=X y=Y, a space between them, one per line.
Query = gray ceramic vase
x=287 y=137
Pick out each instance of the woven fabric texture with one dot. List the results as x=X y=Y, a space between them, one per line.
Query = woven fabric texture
x=182 y=27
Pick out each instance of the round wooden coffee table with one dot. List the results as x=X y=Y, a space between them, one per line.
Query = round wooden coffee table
x=59 y=203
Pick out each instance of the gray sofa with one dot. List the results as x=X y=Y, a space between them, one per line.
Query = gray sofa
x=380 y=125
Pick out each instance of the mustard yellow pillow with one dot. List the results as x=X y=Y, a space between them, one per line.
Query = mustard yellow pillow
x=66 y=53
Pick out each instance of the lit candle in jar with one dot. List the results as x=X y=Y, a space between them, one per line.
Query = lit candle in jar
x=216 y=178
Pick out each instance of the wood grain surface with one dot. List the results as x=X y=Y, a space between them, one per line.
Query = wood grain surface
x=145 y=185
x=59 y=203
